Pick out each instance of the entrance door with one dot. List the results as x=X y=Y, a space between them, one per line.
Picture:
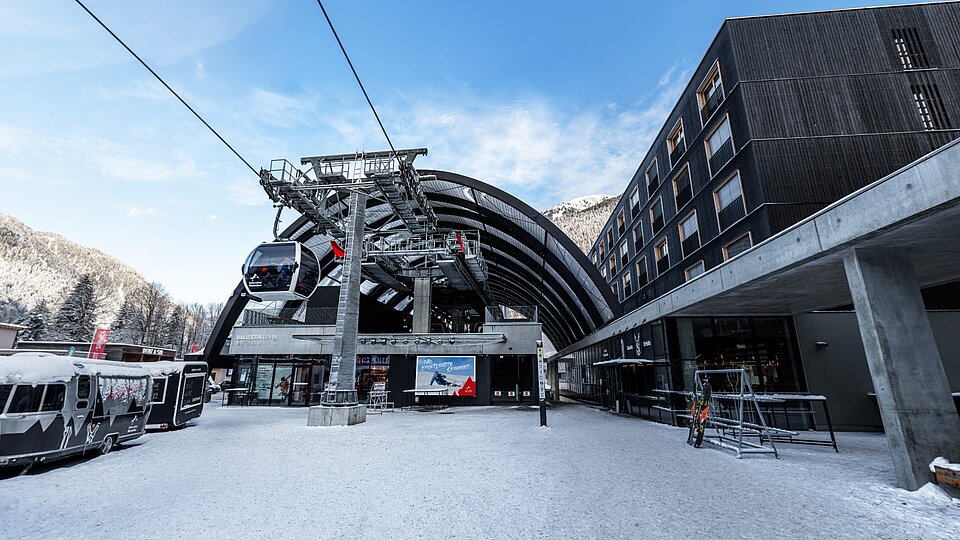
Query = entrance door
x=512 y=380
x=300 y=384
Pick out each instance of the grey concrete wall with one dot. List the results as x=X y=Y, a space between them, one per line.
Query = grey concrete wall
x=840 y=370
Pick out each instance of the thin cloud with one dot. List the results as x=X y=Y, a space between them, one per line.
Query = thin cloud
x=213 y=218
x=136 y=212
x=247 y=193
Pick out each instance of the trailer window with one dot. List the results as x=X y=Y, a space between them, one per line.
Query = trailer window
x=83 y=387
x=26 y=399
x=53 y=399
x=159 y=390
x=5 y=391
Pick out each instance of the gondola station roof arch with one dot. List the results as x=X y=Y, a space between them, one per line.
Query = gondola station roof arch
x=527 y=260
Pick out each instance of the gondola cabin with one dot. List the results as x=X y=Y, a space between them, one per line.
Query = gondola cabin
x=177 y=395
x=281 y=271
x=55 y=406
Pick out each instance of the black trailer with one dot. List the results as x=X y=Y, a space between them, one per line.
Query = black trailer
x=177 y=393
x=55 y=406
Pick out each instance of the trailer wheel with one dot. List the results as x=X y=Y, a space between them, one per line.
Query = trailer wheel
x=107 y=445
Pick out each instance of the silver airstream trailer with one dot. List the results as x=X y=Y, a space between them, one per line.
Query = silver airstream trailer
x=281 y=271
x=55 y=406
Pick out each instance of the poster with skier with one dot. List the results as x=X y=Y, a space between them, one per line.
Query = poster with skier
x=456 y=374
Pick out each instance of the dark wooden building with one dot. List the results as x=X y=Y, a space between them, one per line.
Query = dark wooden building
x=784 y=115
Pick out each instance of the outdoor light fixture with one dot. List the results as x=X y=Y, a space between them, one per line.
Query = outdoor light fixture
x=821 y=344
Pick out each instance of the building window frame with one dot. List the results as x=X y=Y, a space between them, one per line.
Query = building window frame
x=710 y=103
x=624 y=253
x=635 y=203
x=715 y=168
x=652 y=185
x=674 y=140
x=909 y=49
x=689 y=270
x=621 y=222
x=719 y=209
x=726 y=247
x=687 y=248
x=642 y=265
x=658 y=203
x=684 y=172
x=661 y=251
x=612 y=262
x=638 y=238
x=626 y=284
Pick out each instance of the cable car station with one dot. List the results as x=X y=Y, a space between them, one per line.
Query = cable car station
x=387 y=264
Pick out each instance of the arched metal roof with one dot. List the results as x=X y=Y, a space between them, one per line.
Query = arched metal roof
x=529 y=260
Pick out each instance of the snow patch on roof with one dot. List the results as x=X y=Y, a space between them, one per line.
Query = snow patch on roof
x=40 y=368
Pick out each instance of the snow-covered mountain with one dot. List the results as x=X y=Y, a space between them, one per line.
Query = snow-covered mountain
x=582 y=218
x=37 y=265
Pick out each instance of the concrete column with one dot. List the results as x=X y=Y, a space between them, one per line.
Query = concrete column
x=422 y=298
x=343 y=365
x=553 y=375
x=917 y=409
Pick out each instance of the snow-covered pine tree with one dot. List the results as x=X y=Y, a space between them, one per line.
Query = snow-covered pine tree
x=77 y=317
x=124 y=327
x=37 y=322
x=174 y=328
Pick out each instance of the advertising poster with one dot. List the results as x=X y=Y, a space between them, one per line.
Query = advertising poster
x=456 y=374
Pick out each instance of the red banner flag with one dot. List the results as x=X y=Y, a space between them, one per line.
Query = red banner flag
x=463 y=249
x=337 y=250
x=194 y=348
x=99 y=343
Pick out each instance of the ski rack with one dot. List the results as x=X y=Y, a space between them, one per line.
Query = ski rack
x=730 y=432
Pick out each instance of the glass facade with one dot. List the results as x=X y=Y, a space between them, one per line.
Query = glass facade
x=278 y=380
x=658 y=361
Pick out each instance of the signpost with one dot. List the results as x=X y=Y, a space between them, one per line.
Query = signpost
x=542 y=373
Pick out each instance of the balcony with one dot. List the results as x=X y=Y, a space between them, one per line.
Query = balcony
x=721 y=156
x=684 y=195
x=711 y=104
x=731 y=213
x=663 y=265
x=678 y=149
x=690 y=243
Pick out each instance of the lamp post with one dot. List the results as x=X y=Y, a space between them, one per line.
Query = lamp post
x=542 y=375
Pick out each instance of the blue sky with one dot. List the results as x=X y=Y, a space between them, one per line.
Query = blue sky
x=549 y=100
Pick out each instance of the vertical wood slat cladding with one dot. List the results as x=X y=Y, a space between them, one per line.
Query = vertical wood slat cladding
x=841 y=42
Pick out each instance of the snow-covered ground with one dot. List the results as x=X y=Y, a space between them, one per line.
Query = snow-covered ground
x=479 y=472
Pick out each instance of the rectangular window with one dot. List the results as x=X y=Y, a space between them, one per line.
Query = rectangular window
x=627 y=285
x=642 y=278
x=610 y=238
x=635 y=203
x=933 y=115
x=676 y=143
x=5 y=391
x=710 y=94
x=656 y=215
x=593 y=257
x=694 y=271
x=621 y=223
x=637 y=238
x=624 y=253
x=689 y=235
x=603 y=271
x=54 y=397
x=662 y=253
x=729 y=200
x=909 y=47
x=601 y=250
x=653 y=178
x=719 y=146
x=613 y=287
x=26 y=399
x=737 y=247
x=613 y=265
x=682 y=188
